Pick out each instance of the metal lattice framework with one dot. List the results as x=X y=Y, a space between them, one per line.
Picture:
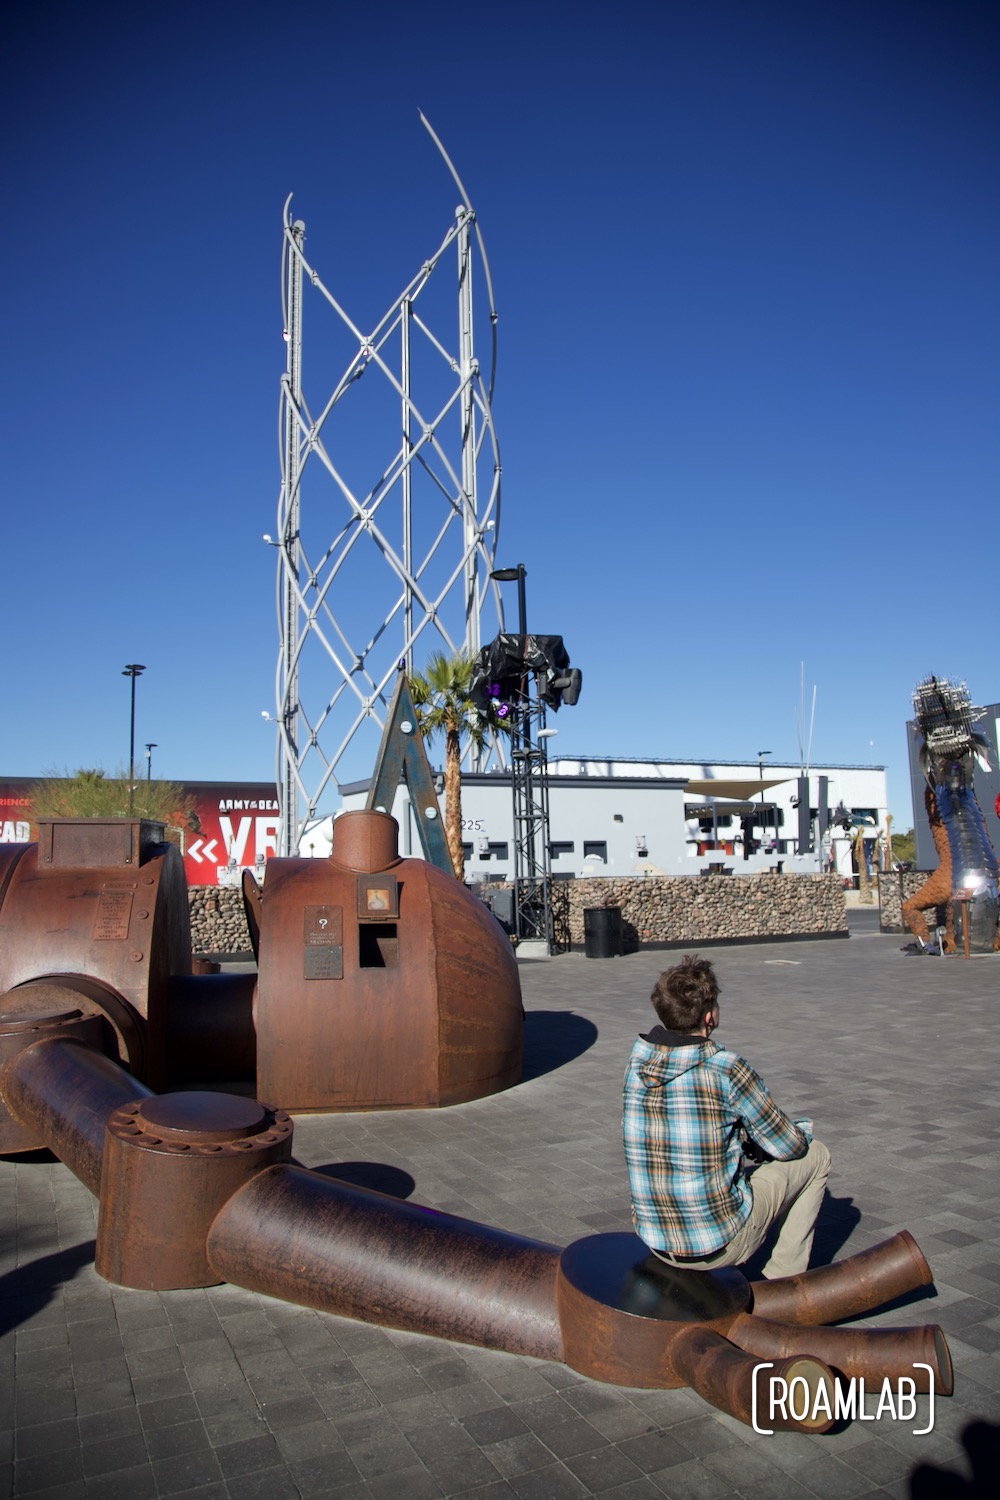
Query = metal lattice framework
x=530 y=785
x=376 y=552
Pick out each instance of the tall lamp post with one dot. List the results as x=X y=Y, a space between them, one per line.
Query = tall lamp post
x=760 y=763
x=133 y=670
x=151 y=745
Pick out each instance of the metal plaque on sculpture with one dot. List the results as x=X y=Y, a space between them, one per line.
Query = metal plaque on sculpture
x=114 y=911
x=323 y=942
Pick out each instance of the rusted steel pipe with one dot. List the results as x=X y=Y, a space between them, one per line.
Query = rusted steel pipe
x=875 y=1354
x=21 y=1030
x=170 y=1163
x=65 y=1091
x=847 y=1288
x=325 y=1244
x=725 y=1376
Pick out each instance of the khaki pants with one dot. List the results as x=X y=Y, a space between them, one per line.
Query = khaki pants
x=787 y=1191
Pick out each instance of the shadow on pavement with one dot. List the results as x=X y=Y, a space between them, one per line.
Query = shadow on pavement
x=27 y=1289
x=981 y=1441
x=376 y=1176
x=553 y=1038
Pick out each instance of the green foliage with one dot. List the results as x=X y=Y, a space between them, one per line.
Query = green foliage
x=904 y=846
x=441 y=698
x=95 y=794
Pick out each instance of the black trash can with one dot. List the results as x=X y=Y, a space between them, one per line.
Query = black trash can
x=602 y=931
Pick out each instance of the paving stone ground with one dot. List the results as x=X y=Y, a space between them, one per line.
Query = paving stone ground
x=111 y=1394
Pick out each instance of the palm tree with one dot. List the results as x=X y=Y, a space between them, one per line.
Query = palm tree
x=441 y=698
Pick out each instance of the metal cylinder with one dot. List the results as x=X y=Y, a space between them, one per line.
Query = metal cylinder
x=19 y=1031
x=874 y=1354
x=325 y=1244
x=123 y=1031
x=65 y=1091
x=726 y=1376
x=170 y=1163
x=602 y=931
x=848 y=1287
x=365 y=841
x=620 y=1309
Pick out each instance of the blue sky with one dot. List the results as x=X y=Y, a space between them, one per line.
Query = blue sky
x=744 y=256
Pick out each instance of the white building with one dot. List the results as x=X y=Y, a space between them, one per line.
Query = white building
x=660 y=817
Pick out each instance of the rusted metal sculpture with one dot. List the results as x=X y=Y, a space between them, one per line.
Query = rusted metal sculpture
x=196 y=1189
x=936 y=889
x=96 y=914
x=382 y=982
x=967 y=875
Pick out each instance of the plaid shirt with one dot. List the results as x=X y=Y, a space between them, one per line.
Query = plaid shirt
x=687 y=1109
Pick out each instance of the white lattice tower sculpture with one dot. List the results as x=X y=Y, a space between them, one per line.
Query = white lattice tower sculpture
x=388 y=513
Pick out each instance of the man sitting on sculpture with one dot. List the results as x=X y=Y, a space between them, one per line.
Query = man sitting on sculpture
x=693 y=1112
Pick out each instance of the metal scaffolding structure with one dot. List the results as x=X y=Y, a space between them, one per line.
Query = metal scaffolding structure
x=378 y=553
x=530 y=786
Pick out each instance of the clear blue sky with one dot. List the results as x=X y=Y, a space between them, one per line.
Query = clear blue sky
x=745 y=257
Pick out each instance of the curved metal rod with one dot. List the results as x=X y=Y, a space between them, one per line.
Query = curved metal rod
x=848 y=1287
x=482 y=248
x=872 y=1353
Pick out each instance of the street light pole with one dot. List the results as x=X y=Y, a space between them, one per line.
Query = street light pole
x=133 y=669
x=760 y=763
x=151 y=745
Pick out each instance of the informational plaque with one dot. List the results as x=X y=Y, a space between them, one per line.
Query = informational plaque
x=114 y=911
x=323 y=942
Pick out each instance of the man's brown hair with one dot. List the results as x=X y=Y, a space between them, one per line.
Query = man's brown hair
x=684 y=995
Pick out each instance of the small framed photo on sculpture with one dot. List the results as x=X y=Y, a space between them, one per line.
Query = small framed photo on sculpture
x=378 y=898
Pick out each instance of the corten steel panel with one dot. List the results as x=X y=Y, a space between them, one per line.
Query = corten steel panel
x=440 y=1023
x=125 y=926
x=481 y=1018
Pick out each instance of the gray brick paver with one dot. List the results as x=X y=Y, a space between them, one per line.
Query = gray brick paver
x=234 y=1394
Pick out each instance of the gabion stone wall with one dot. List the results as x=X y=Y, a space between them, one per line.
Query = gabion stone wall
x=694 y=909
x=682 y=909
x=895 y=887
x=218 y=922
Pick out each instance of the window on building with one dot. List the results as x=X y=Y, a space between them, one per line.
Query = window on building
x=595 y=849
x=466 y=851
x=495 y=851
x=561 y=846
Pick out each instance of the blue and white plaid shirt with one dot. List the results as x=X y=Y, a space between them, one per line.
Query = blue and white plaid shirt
x=687 y=1109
